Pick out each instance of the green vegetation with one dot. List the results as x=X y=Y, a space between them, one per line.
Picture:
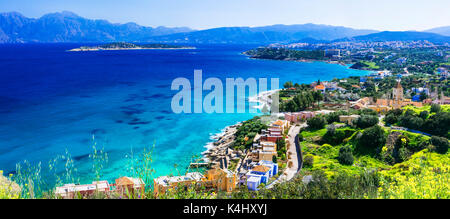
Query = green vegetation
x=300 y=100
x=286 y=54
x=124 y=45
x=345 y=155
x=397 y=161
x=247 y=132
x=436 y=121
x=317 y=122
x=366 y=121
x=370 y=141
x=367 y=65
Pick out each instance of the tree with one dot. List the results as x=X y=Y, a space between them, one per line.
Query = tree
x=288 y=84
x=366 y=121
x=345 y=156
x=440 y=144
x=371 y=139
x=317 y=122
x=281 y=147
x=435 y=108
x=318 y=96
x=274 y=159
x=411 y=121
x=424 y=114
x=334 y=116
x=391 y=119
x=423 y=96
x=437 y=124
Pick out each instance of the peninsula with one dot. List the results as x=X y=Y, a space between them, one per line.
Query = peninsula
x=128 y=46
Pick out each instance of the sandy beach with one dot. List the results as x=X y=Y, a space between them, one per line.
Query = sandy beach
x=263 y=98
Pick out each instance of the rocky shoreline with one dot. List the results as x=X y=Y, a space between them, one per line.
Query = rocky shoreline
x=219 y=152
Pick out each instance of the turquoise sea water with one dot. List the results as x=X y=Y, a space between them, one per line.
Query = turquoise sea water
x=52 y=100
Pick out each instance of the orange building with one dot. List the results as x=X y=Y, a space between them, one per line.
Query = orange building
x=320 y=87
x=127 y=185
x=215 y=179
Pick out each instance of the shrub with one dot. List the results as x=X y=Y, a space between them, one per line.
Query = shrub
x=411 y=121
x=403 y=154
x=366 y=121
x=371 y=139
x=308 y=160
x=391 y=119
x=345 y=156
x=274 y=159
x=300 y=137
x=336 y=136
x=392 y=116
x=370 y=112
x=334 y=116
x=435 y=108
x=424 y=115
x=440 y=144
x=437 y=124
x=317 y=122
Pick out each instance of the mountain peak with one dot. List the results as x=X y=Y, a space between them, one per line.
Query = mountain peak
x=440 y=30
x=12 y=14
x=69 y=14
x=63 y=14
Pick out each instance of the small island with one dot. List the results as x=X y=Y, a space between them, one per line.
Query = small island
x=128 y=46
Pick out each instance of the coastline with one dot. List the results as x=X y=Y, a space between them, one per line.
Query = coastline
x=220 y=148
x=115 y=49
x=263 y=98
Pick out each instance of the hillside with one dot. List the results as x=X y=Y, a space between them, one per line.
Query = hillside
x=440 y=30
x=401 y=36
x=265 y=34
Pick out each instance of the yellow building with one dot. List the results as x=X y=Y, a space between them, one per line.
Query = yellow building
x=220 y=179
x=383 y=105
x=349 y=120
x=216 y=179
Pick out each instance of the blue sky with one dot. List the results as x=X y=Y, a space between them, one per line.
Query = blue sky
x=202 y=14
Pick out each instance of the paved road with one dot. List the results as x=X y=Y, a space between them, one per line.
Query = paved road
x=289 y=173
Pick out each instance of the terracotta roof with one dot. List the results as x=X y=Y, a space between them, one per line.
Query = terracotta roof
x=278 y=122
x=319 y=87
x=383 y=102
x=261 y=168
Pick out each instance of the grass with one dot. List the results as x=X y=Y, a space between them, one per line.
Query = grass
x=444 y=108
x=370 y=65
x=424 y=175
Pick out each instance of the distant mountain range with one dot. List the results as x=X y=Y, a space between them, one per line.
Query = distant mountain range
x=69 y=27
x=400 y=36
x=440 y=30
x=266 y=34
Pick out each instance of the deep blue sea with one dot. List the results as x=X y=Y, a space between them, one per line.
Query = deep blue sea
x=52 y=100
